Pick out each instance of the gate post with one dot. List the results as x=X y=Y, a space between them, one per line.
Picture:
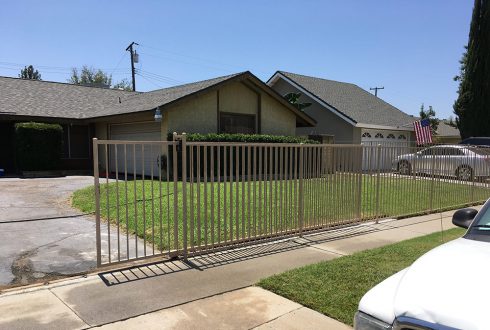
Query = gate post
x=175 y=178
x=184 y=192
x=300 y=193
x=95 y=150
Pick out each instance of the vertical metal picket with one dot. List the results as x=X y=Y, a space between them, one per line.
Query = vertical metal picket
x=95 y=150
x=301 y=191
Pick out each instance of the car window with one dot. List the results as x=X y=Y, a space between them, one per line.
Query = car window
x=452 y=152
x=426 y=152
x=481 y=151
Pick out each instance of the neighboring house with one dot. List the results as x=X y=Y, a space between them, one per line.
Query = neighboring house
x=447 y=133
x=238 y=103
x=345 y=111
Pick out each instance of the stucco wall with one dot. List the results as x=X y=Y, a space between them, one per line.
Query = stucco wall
x=238 y=98
x=196 y=115
x=275 y=118
x=200 y=114
x=327 y=122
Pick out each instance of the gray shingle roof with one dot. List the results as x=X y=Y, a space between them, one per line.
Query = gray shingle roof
x=445 y=129
x=50 y=99
x=354 y=102
x=153 y=99
x=20 y=97
x=23 y=97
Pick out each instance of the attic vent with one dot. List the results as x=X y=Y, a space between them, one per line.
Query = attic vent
x=366 y=135
x=390 y=136
x=379 y=136
x=402 y=137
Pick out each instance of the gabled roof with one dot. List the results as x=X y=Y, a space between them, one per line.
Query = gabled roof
x=20 y=97
x=161 y=97
x=349 y=101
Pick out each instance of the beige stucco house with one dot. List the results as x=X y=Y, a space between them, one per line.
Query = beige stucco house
x=238 y=103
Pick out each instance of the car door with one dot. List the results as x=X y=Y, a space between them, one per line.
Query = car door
x=423 y=160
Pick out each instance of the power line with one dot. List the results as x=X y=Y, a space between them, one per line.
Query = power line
x=57 y=68
x=166 y=82
x=162 y=77
x=119 y=62
x=147 y=79
x=234 y=67
x=191 y=63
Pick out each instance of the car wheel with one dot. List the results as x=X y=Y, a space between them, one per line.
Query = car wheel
x=464 y=173
x=404 y=167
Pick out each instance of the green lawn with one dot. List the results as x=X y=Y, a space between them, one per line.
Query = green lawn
x=335 y=287
x=269 y=207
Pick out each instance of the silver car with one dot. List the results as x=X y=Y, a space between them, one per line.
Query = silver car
x=463 y=162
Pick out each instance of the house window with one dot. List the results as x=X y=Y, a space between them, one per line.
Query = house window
x=366 y=135
x=390 y=136
x=402 y=137
x=233 y=123
x=76 y=142
x=379 y=136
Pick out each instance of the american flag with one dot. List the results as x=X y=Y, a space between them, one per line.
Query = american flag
x=422 y=131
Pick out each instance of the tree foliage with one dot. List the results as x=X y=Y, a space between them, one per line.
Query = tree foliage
x=124 y=85
x=293 y=98
x=89 y=76
x=431 y=115
x=472 y=107
x=28 y=72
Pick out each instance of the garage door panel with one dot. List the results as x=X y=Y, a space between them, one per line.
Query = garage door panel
x=139 y=159
x=393 y=143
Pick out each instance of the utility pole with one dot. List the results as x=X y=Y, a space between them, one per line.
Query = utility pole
x=130 y=49
x=375 y=89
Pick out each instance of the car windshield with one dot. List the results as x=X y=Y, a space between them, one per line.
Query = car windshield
x=480 y=228
x=483 y=221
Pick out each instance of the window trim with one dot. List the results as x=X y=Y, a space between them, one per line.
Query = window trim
x=366 y=135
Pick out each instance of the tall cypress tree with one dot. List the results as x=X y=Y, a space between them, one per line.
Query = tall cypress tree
x=473 y=104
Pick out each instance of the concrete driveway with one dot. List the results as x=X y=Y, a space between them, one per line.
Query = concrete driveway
x=42 y=237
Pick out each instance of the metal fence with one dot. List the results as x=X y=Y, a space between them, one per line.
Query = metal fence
x=182 y=198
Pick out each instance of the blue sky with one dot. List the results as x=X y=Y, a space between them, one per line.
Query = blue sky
x=411 y=48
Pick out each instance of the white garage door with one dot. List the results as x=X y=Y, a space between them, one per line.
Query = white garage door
x=392 y=143
x=145 y=156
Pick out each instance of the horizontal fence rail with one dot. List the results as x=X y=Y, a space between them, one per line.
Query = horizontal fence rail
x=179 y=198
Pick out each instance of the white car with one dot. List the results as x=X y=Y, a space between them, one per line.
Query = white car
x=446 y=288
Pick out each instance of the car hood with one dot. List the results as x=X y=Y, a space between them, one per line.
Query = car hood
x=447 y=286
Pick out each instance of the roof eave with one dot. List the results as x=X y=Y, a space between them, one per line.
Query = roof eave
x=386 y=127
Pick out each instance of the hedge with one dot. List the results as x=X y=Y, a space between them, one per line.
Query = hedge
x=38 y=146
x=245 y=138
x=237 y=158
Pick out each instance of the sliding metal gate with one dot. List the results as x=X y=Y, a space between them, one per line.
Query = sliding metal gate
x=179 y=198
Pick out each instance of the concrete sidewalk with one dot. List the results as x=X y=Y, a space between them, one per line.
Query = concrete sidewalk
x=210 y=291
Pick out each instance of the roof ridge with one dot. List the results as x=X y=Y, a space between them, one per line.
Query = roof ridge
x=320 y=78
x=199 y=81
x=68 y=84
